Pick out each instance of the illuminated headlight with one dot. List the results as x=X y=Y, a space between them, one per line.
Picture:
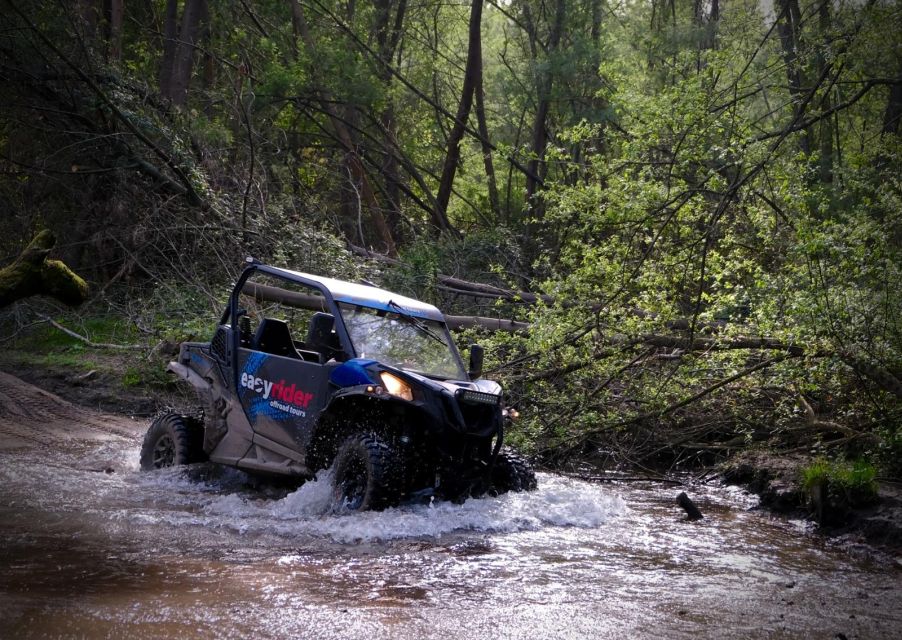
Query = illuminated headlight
x=395 y=386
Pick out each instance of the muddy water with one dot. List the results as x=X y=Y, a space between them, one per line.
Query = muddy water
x=180 y=554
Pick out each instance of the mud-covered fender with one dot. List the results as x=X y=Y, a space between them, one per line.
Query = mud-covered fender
x=375 y=401
x=354 y=408
x=192 y=377
x=360 y=398
x=215 y=406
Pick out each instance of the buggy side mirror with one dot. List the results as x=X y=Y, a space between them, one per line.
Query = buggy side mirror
x=476 y=356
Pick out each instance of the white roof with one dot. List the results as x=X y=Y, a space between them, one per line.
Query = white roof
x=368 y=296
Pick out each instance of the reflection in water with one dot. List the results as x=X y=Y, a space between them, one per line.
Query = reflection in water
x=84 y=553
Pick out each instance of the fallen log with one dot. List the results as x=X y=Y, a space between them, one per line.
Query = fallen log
x=492 y=324
x=318 y=303
x=881 y=376
x=692 y=512
x=457 y=286
x=33 y=273
x=712 y=344
x=464 y=287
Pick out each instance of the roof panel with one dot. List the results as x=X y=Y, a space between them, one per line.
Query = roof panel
x=368 y=296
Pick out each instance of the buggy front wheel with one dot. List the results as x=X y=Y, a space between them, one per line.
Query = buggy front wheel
x=365 y=474
x=512 y=473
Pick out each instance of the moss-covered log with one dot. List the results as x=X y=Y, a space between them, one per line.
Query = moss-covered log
x=33 y=274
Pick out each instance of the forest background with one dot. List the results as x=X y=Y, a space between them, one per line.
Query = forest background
x=691 y=210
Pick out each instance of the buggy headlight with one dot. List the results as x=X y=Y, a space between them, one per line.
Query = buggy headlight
x=395 y=386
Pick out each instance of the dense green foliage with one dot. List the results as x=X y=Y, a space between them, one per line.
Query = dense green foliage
x=708 y=194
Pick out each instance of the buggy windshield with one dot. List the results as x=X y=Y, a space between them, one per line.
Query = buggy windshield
x=401 y=340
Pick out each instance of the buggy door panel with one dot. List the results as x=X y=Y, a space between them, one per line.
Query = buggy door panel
x=281 y=396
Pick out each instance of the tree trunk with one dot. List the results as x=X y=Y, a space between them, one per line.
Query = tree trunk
x=89 y=11
x=491 y=182
x=207 y=63
x=170 y=43
x=789 y=29
x=343 y=135
x=893 y=113
x=595 y=32
x=825 y=127
x=391 y=169
x=296 y=18
x=388 y=35
x=705 y=23
x=115 y=11
x=452 y=157
x=544 y=85
x=183 y=63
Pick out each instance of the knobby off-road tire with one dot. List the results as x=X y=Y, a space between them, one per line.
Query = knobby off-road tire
x=512 y=473
x=172 y=439
x=366 y=474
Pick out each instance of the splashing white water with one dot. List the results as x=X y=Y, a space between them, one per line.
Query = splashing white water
x=559 y=502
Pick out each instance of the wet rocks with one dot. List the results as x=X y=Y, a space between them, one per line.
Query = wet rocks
x=775 y=481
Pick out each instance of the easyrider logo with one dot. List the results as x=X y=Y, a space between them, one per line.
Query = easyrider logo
x=276 y=390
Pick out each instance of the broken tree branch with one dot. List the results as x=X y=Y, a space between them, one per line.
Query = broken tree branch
x=492 y=324
x=88 y=341
x=711 y=344
x=706 y=391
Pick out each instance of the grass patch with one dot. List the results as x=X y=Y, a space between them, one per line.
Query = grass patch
x=46 y=347
x=149 y=374
x=856 y=479
x=132 y=377
x=97 y=329
x=76 y=359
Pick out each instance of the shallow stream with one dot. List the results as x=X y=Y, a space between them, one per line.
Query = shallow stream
x=92 y=547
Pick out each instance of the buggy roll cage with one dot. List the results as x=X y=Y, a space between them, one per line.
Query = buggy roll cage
x=233 y=312
x=327 y=303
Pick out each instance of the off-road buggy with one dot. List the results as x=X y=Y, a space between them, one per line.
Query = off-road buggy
x=376 y=389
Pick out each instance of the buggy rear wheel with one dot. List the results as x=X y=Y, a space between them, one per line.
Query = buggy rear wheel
x=365 y=474
x=172 y=439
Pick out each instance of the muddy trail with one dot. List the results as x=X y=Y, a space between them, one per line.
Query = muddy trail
x=90 y=547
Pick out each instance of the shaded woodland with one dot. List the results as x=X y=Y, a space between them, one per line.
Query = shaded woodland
x=688 y=215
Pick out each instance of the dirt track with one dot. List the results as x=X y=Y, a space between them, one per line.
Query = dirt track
x=31 y=418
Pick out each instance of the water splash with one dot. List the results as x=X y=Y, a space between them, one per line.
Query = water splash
x=559 y=502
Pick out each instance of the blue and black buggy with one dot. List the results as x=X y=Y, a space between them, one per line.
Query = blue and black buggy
x=305 y=373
